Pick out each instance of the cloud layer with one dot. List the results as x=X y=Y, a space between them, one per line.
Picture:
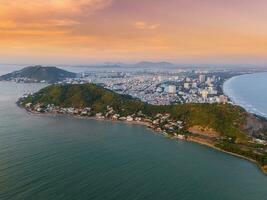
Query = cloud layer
x=177 y=30
x=37 y=13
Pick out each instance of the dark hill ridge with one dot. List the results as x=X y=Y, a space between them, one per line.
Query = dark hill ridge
x=223 y=126
x=146 y=64
x=39 y=73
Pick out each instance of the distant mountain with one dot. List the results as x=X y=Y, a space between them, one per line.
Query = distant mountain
x=143 y=64
x=147 y=64
x=38 y=74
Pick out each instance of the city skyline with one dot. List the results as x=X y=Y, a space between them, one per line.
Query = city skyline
x=93 y=31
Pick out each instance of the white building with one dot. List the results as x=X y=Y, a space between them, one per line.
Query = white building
x=172 y=89
x=186 y=85
x=222 y=99
x=159 y=89
x=129 y=119
x=194 y=85
x=188 y=79
x=212 y=91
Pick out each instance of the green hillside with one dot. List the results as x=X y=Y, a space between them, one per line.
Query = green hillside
x=39 y=73
x=224 y=118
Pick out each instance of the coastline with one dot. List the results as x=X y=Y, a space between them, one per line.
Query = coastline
x=241 y=101
x=150 y=126
x=262 y=168
x=250 y=109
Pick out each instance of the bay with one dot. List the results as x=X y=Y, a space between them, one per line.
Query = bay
x=57 y=157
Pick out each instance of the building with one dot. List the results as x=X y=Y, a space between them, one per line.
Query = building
x=188 y=79
x=159 y=89
x=202 y=78
x=172 y=89
x=204 y=94
x=186 y=86
x=129 y=119
x=194 y=85
x=212 y=91
x=209 y=80
x=222 y=99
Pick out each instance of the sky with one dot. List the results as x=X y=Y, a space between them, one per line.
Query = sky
x=97 y=31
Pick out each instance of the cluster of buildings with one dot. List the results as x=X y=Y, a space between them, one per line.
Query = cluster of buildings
x=160 y=123
x=26 y=80
x=72 y=81
x=157 y=87
x=161 y=88
x=196 y=89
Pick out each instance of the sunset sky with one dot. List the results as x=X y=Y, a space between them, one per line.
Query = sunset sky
x=95 y=31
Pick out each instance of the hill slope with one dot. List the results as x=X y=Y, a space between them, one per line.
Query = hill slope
x=39 y=73
x=225 y=126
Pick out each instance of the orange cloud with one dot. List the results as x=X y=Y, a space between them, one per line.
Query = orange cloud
x=145 y=26
x=107 y=29
x=65 y=7
x=16 y=14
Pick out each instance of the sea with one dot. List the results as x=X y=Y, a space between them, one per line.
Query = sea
x=63 y=158
x=249 y=91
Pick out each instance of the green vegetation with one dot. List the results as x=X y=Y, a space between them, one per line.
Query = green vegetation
x=39 y=73
x=86 y=95
x=245 y=151
x=226 y=119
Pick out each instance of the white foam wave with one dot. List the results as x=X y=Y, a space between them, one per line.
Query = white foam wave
x=240 y=100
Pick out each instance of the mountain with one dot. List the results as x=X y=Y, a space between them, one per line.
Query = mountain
x=146 y=64
x=223 y=126
x=38 y=74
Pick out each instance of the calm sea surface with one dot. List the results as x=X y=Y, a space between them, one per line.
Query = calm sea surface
x=54 y=158
x=249 y=91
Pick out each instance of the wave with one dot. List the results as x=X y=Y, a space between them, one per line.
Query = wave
x=230 y=89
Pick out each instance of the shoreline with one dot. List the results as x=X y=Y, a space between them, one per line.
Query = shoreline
x=236 y=100
x=150 y=127
x=261 y=168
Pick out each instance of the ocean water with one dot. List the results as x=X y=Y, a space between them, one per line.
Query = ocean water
x=249 y=91
x=57 y=157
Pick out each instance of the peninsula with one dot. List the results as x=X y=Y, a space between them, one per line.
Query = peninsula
x=223 y=126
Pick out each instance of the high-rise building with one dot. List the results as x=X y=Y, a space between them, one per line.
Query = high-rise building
x=172 y=89
x=209 y=80
x=202 y=78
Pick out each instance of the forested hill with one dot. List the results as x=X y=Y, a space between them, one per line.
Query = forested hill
x=226 y=119
x=39 y=73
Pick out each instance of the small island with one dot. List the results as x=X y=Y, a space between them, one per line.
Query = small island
x=225 y=127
